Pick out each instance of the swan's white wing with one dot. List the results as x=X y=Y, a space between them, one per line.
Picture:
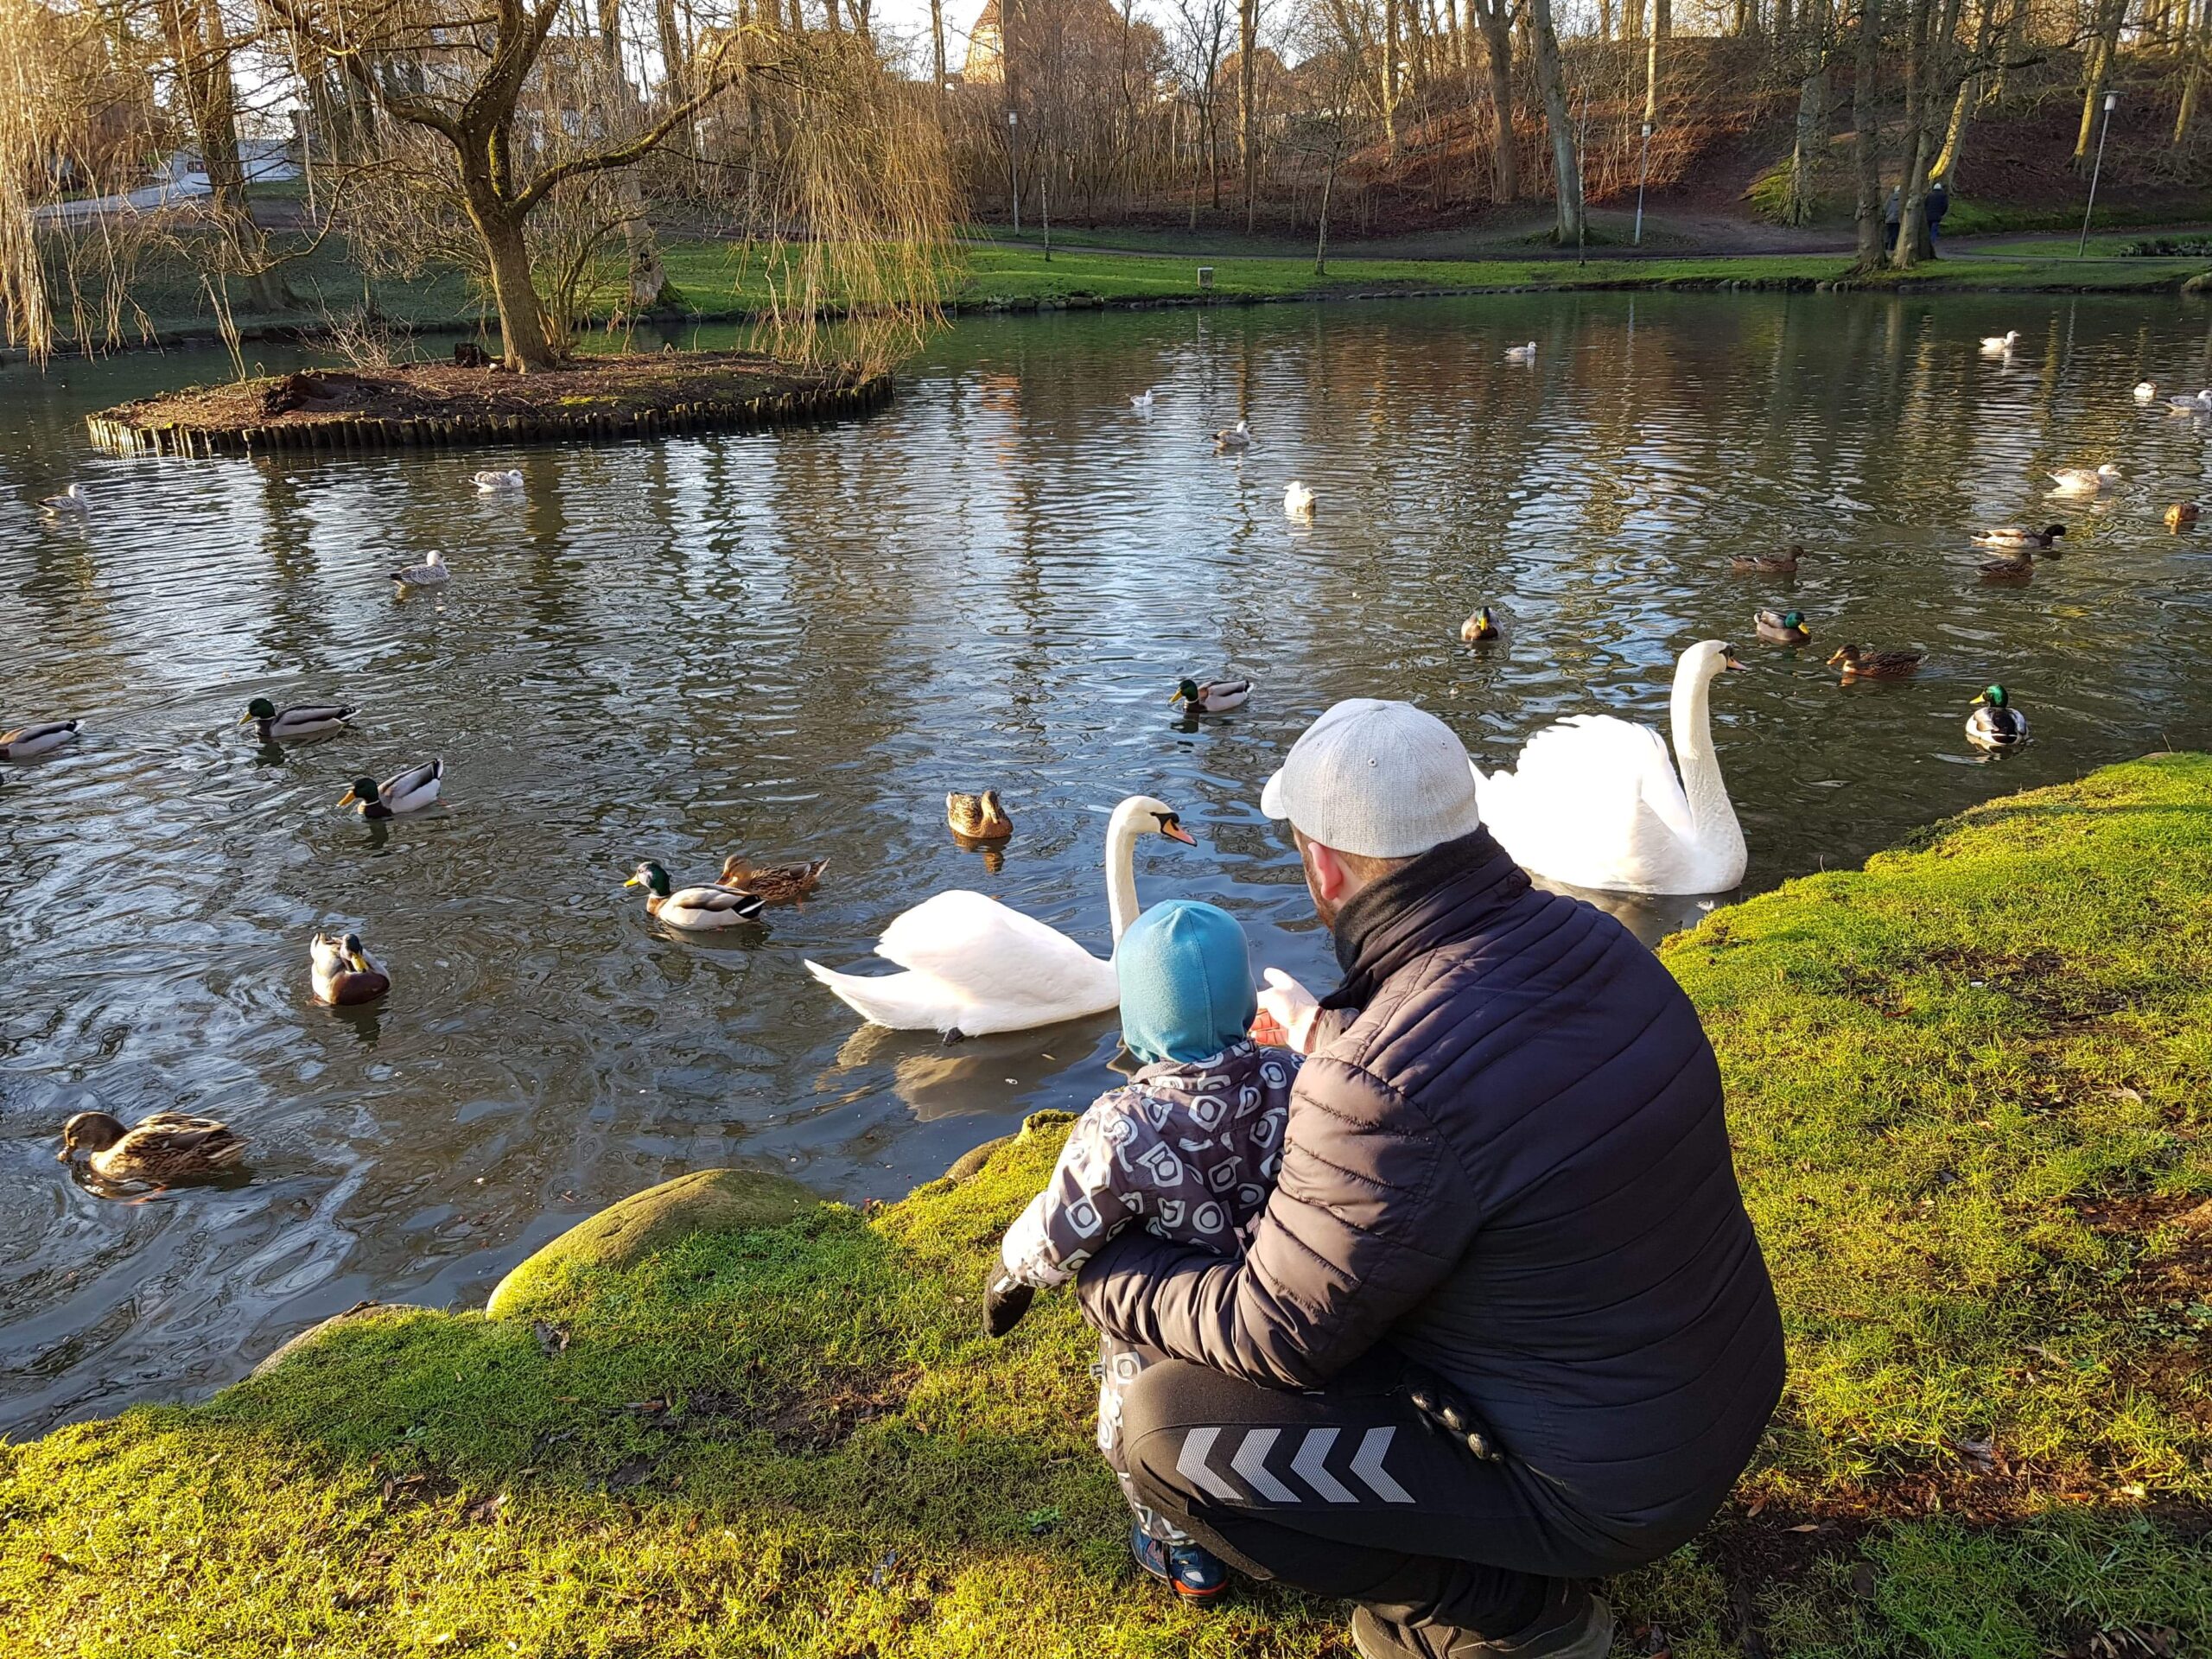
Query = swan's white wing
x=1593 y=801
x=975 y=964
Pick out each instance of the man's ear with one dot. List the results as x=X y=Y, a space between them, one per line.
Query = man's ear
x=1333 y=882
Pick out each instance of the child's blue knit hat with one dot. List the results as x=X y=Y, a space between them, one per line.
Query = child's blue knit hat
x=1186 y=981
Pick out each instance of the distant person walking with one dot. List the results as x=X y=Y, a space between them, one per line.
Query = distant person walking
x=1503 y=1323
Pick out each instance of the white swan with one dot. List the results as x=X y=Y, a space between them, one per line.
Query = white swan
x=1594 y=801
x=1297 y=500
x=1999 y=344
x=976 y=966
x=2080 y=480
x=1522 y=354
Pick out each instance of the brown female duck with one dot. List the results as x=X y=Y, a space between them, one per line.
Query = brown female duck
x=977 y=817
x=1768 y=564
x=772 y=884
x=160 y=1151
x=1865 y=663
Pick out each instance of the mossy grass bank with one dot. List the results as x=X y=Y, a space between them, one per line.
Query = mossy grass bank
x=614 y=396
x=1969 y=1088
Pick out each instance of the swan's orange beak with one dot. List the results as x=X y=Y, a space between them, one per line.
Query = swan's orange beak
x=1175 y=831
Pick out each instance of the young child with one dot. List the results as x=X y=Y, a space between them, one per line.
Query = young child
x=1189 y=1148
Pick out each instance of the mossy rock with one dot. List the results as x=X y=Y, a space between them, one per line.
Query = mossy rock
x=625 y=1234
x=320 y=1328
x=971 y=1162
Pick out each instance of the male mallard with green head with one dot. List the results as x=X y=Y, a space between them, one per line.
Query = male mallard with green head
x=1481 y=628
x=159 y=1151
x=692 y=908
x=274 y=725
x=1214 y=696
x=1783 y=627
x=1995 y=723
x=344 y=977
x=407 y=792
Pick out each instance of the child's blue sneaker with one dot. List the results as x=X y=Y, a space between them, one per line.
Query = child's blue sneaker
x=1194 y=1574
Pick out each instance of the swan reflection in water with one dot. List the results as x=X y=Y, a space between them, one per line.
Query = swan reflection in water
x=1005 y=1073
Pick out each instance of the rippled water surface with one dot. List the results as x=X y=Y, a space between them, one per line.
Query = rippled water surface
x=794 y=644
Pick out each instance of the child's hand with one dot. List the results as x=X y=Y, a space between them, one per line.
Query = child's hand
x=1005 y=1299
x=1292 y=1007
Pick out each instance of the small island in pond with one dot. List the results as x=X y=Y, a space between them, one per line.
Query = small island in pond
x=636 y=395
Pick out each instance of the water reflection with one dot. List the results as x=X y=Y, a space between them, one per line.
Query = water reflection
x=796 y=643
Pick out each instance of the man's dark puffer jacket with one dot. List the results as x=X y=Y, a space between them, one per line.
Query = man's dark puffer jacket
x=1513 y=1167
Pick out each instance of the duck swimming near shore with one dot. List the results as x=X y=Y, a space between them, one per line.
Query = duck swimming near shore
x=2018 y=536
x=2015 y=566
x=339 y=969
x=1481 y=628
x=1865 y=663
x=1783 y=627
x=692 y=909
x=1769 y=564
x=1995 y=723
x=2085 y=481
x=772 y=884
x=1215 y=696
x=2183 y=515
x=157 y=1151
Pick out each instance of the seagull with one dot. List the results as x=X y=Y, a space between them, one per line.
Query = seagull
x=2200 y=405
x=1522 y=354
x=2145 y=390
x=72 y=502
x=1297 y=500
x=492 y=483
x=1141 y=401
x=431 y=573
x=2080 y=481
x=1238 y=436
x=1999 y=344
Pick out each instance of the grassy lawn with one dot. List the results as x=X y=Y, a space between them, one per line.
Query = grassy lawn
x=1969 y=1089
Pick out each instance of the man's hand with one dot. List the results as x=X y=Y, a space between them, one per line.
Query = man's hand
x=1292 y=1007
x=1005 y=1299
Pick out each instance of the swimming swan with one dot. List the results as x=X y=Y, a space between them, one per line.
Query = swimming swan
x=1999 y=344
x=975 y=966
x=1594 y=801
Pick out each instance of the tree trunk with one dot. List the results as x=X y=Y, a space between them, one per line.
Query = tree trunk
x=527 y=342
x=1328 y=189
x=1811 y=137
x=1248 y=149
x=1496 y=18
x=937 y=57
x=1866 y=147
x=2098 y=65
x=1551 y=82
x=197 y=40
x=649 y=289
x=2196 y=45
x=1662 y=25
x=1968 y=95
x=1390 y=52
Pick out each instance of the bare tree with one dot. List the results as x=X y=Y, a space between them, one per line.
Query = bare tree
x=1551 y=86
x=1496 y=18
x=1866 y=140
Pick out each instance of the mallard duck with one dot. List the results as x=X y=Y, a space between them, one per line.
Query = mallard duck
x=1995 y=723
x=1783 y=627
x=2145 y=390
x=692 y=908
x=407 y=792
x=159 y=1151
x=40 y=737
x=1238 y=436
x=1215 y=696
x=1998 y=344
x=1297 y=500
x=2180 y=516
x=1769 y=564
x=72 y=502
x=1865 y=663
x=977 y=817
x=1141 y=401
x=2083 y=480
x=772 y=884
x=1481 y=628
x=274 y=725
x=343 y=975
x=2017 y=566
x=1524 y=352
x=490 y=483
x=431 y=573
x=2018 y=536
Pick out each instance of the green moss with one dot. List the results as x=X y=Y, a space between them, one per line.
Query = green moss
x=1969 y=1091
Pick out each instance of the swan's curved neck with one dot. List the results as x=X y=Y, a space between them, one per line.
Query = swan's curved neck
x=1711 y=815
x=1121 y=868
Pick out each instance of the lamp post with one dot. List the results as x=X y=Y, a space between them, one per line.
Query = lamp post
x=1642 y=164
x=2081 y=249
x=1014 y=164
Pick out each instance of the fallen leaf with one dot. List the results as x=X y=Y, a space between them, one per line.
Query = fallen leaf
x=1980 y=1456
x=551 y=1339
x=1862 y=1581
x=629 y=1472
x=486 y=1510
x=1809 y=1526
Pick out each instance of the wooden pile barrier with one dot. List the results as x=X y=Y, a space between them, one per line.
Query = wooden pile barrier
x=121 y=431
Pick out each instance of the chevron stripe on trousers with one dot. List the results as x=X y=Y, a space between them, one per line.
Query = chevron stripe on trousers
x=1346 y=1492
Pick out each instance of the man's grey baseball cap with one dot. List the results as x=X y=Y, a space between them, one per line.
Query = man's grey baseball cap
x=1382 y=780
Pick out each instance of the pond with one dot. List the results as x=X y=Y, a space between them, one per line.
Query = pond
x=793 y=644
